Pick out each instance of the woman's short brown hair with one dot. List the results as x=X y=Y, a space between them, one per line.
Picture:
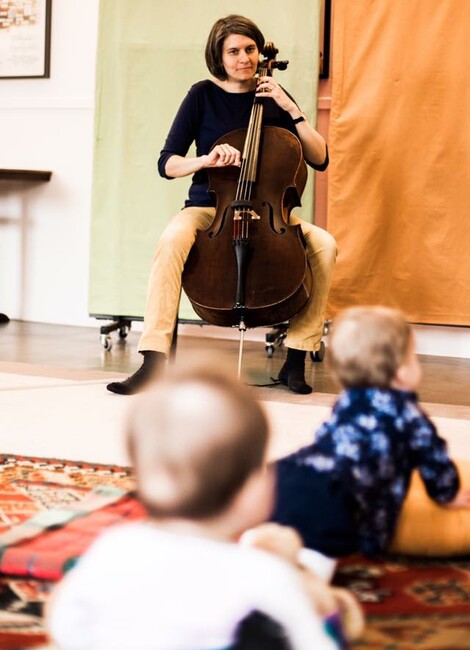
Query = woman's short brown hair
x=194 y=440
x=222 y=28
x=367 y=345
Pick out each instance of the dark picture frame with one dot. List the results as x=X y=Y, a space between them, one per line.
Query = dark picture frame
x=325 y=39
x=25 y=39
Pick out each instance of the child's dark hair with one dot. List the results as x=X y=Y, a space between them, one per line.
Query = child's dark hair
x=367 y=345
x=194 y=440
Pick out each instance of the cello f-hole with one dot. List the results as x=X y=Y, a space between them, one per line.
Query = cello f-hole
x=214 y=233
x=282 y=229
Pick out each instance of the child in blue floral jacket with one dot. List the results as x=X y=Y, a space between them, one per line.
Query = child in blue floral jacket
x=344 y=492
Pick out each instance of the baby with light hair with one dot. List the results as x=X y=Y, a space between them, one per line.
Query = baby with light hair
x=344 y=492
x=179 y=579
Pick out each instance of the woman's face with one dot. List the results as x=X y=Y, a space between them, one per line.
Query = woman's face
x=240 y=58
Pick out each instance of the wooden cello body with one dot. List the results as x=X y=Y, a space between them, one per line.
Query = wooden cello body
x=250 y=266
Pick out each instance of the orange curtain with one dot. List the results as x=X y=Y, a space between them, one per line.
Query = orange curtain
x=399 y=178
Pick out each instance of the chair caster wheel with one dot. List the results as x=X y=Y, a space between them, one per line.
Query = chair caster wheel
x=106 y=342
x=319 y=355
x=123 y=331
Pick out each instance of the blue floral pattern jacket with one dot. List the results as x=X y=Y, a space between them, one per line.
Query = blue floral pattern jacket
x=373 y=440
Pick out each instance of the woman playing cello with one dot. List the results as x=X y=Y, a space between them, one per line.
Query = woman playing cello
x=211 y=109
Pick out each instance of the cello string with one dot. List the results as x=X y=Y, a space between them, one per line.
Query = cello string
x=248 y=152
x=251 y=162
x=251 y=152
x=238 y=230
x=253 y=148
x=241 y=192
x=250 y=147
x=263 y=69
x=243 y=183
x=248 y=167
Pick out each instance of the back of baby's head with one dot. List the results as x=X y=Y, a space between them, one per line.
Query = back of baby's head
x=367 y=345
x=194 y=439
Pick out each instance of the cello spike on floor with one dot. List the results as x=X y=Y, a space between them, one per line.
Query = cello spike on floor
x=242 y=330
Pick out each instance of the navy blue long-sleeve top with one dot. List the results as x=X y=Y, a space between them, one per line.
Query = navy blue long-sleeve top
x=372 y=442
x=207 y=113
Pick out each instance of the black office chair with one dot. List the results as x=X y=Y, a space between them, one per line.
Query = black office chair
x=275 y=339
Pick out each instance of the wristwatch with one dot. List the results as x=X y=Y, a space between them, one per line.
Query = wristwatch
x=299 y=119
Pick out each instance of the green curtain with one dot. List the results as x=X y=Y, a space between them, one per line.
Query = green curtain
x=149 y=53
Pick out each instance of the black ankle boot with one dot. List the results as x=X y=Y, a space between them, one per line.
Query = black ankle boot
x=292 y=373
x=143 y=376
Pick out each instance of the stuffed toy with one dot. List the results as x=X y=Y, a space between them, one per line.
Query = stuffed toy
x=335 y=605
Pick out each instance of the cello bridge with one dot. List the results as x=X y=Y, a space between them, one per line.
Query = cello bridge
x=245 y=215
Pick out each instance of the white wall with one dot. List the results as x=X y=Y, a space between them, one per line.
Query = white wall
x=48 y=124
x=44 y=228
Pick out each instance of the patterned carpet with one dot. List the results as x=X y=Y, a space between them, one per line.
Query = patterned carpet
x=410 y=604
x=29 y=487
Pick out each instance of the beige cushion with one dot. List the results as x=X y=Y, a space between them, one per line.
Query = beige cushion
x=424 y=528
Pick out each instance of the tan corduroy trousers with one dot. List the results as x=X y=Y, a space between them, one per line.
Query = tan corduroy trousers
x=164 y=289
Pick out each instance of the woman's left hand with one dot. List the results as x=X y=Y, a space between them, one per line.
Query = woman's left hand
x=268 y=87
x=313 y=144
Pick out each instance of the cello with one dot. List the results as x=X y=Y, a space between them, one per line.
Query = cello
x=249 y=268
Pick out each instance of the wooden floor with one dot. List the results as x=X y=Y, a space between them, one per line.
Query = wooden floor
x=446 y=380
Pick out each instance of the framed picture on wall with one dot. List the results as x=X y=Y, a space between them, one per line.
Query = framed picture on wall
x=25 y=38
x=325 y=35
